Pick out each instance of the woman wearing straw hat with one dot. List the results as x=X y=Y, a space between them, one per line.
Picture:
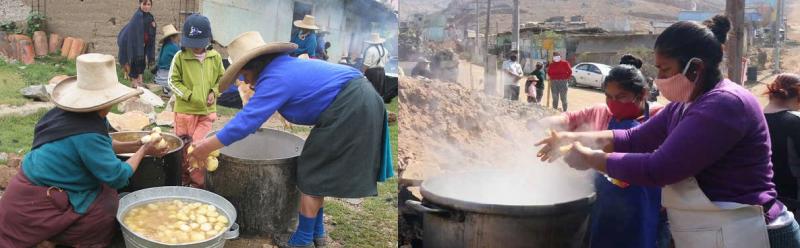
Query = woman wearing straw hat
x=170 y=45
x=65 y=191
x=305 y=37
x=375 y=58
x=347 y=151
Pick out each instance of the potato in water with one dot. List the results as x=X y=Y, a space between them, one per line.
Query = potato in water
x=176 y=221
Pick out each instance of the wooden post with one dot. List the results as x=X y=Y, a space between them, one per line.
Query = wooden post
x=734 y=9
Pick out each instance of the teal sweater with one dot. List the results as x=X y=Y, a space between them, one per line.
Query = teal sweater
x=79 y=165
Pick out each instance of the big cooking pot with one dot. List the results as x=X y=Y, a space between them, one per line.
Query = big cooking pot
x=504 y=208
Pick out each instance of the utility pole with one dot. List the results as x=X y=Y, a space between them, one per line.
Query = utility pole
x=488 y=81
x=515 y=27
x=776 y=64
x=734 y=9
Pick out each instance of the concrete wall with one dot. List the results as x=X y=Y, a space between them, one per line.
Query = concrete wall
x=13 y=10
x=99 y=21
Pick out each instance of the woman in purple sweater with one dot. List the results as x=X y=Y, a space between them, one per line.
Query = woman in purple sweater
x=709 y=149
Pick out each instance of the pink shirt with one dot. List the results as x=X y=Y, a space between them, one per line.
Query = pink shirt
x=594 y=118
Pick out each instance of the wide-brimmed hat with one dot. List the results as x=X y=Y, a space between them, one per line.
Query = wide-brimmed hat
x=95 y=87
x=375 y=38
x=196 y=32
x=308 y=22
x=246 y=47
x=168 y=30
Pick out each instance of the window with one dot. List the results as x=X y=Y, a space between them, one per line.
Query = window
x=583 y=67
x=593 y=68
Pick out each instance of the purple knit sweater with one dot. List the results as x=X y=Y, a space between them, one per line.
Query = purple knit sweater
x=721 y=139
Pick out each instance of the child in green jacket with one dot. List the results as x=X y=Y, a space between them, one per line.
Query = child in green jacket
x=194 y=79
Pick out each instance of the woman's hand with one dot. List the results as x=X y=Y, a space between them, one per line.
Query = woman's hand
x=210 y=99
x=580 y=157
x=553 y=144
x=150 y=148
x=201 y=150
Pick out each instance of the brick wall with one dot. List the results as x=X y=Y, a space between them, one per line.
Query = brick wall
x=99 y=21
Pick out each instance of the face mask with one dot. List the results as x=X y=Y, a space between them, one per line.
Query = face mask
x=556 y=58
x=624 y=110
x=677 y=88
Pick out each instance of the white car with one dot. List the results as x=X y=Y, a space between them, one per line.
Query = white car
x=589 y=74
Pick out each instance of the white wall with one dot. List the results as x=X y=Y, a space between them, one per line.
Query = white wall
x=273 y=19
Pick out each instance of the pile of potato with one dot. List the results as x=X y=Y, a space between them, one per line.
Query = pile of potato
x=211 y=162
x=176 y=221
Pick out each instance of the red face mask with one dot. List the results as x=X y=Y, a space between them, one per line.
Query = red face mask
x=624 y=110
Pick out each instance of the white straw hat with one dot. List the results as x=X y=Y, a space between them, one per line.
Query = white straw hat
x=308 y=22
x=375 y=38
x=95 y=87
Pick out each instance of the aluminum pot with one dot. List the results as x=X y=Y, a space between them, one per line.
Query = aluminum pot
x=455 y=216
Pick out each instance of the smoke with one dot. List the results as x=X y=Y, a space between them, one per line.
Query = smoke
x=452 y=130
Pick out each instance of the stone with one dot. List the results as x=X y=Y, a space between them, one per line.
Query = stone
x=353 y=201
x=3 y=156
x=53 y=81
x=170 y=104
x=14 y=160
x=165 y=118
x=6 y=174
x=129 y=121
x=154 y=87
x=36 y=92
x=150 y=98
x=136 y=104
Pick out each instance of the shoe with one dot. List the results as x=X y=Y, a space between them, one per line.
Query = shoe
x=282 y=241
x=321 y=242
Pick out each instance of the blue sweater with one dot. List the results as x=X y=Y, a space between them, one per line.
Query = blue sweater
x=78 y=164
x=300 y=89
x=309 y=45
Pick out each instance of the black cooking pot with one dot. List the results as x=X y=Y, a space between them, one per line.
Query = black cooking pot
x=153 y=171
x=456 y=216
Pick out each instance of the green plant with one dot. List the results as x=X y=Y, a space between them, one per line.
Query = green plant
x=36 y=22
x=9 y=27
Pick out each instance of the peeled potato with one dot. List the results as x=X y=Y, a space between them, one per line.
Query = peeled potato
x=175 y=222
x=215 y=153
x=162 y=144
x=190 y=149
x=146 y=139
x=156 y=130
x=212 y=164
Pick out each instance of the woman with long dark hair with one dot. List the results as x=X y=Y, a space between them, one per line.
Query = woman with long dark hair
x=137 y=43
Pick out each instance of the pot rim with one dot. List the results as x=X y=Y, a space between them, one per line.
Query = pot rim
x=257 y=161
x=502 y=209
x=171 y=135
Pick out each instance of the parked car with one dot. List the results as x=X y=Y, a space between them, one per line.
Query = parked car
x=589 y=74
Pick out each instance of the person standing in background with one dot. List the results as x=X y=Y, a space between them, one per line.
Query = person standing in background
x=137 y=42
x=305 y=37
x=194 y=79
x=784 y=131
x=513 y=73
x=375 y=58
x=535 y=85
x=560 y=72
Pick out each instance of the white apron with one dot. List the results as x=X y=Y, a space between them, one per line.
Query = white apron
x=696 y=222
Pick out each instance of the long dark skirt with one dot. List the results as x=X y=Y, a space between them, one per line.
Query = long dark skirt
x=342 y=155
x=30 y=214
x=377 y=76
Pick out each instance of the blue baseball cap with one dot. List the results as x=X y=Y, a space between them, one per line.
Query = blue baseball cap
x=196 y=32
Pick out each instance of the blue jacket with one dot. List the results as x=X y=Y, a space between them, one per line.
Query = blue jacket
x=300 y=89
x=308 y=45
x=78 y=164
x=130 y=39
x=165 y=56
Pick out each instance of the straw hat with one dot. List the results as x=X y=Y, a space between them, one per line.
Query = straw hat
x=246 y=47
x=168 y=31
x=95 y=87
x=375 y=38
x=307 y=23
